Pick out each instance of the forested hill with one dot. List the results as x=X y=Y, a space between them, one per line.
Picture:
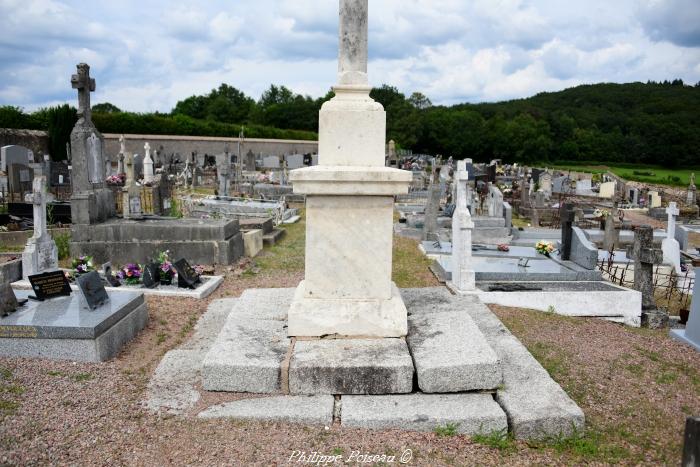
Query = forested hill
x=656 y=123
x=652 y=123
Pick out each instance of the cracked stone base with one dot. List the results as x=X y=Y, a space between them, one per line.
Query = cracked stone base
x=251 y=353
x=315 y=317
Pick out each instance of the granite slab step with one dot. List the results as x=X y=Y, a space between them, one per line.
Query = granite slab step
x=450 y=353
x=308 y=410
x=273 y=237
x=471 y=413
x=351 y=366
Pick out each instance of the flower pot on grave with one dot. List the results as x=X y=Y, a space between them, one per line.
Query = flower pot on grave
x=166 y=281
x=684 y=315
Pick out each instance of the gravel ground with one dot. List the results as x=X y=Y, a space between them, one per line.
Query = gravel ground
x=635 y=387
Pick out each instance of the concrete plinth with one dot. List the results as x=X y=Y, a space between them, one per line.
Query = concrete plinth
x=61 y=328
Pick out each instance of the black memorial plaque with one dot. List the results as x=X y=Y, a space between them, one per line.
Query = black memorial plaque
x=187 y=277
x=50 y=284
x=93 y=289
x=151 y=275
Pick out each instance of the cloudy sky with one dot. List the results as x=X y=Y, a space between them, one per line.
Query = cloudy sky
x=146 y=55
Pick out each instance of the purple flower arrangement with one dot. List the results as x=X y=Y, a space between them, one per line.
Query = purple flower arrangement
x=167 y=271
x=130 y=274
x=82 y=265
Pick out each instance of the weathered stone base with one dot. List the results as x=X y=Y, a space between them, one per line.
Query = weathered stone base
x=347 y=317
x=351 y=366
x=252 y=353
x=654 y=319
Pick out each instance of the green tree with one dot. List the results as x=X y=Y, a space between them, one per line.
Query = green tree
x=61 y=121
x=105 y=107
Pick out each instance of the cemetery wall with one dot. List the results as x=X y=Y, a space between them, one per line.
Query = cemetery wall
x=185 y=145
x=37 y=141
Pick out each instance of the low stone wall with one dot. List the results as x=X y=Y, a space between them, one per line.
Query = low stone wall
x=37 y=141
x=11 y=271
x=185 y=145
x=20 y=238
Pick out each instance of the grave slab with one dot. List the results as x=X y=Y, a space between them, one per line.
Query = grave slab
x=537 y=407
x=351 y=366
x=450 y=352
x=472 y=413
x=63 y=328
x=308 y=410
x=249 y=350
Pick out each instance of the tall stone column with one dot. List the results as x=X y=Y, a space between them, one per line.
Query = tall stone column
x=347 y=288
x=463 y=276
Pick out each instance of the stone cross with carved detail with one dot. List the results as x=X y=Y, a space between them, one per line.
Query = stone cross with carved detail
x=645 y=256
x=85 y=85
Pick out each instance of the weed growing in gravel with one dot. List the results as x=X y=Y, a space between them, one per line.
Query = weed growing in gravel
x=448 y=430
x=82 y=377
x=55 y=373
x=636 y=369
x=7 y=407
x=666 y=378
x=5 y=373
x=337 y=451
x=12 y=389
x=161 y=337
x=497 y=439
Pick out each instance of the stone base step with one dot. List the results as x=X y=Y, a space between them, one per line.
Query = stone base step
x=273 y=237
x=488 y=222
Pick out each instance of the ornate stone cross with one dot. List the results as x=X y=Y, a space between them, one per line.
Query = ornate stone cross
x=85 y=85
x=645 y=256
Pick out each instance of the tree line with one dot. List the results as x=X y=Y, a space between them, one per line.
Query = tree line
x=652 y=123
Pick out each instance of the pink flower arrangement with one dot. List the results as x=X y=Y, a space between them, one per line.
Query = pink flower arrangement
x=116 y=180
x=130 y=274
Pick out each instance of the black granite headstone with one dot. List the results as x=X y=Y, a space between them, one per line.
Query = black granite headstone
x=50 y=284
x=109 y=277
x=151 y=275
x=567 y=220
x=187 y=277
x=93 y=289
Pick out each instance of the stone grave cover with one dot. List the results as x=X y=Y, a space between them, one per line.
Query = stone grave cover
x=187 y=277
x=92 y=289
x=50 y=284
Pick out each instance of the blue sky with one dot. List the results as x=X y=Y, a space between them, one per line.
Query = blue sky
x=149 y=54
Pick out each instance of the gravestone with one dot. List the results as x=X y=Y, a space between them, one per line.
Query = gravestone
x=151 y=275
x=691 y=334
x=15 y=162
x=463 y=275
x=271 y=162
x=148 y=173
x=223 y=169
x=187 y=277
x=691 y=443
x=131 y=193
x=692 y=196
x=8 y=301
x=92 y=290
x=430 y=227
x=92 y=201
x=540 y=200
x=645 y=256
x=109 y=275
x=633 y=196
x=546 y=183
x=610 y=237
x=138 y=167
x=250 y=161
x=653 y=199
x=40 y=254
x=669 y=245
x=295 y=161
x=494 y=201
x=567 y=221
x=50 y=285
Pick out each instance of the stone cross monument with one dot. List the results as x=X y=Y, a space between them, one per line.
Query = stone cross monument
x=463 y=277
x=692 y=191
x=691 y=334
x=347 y=288
x=669 y=245
x=92 y=202
x=148 y=173
x=645 y=256
x=120 y=156
x=40 y=254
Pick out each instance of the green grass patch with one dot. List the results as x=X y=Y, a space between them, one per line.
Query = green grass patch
x=639 y=173
x=448 y=430
x=63 y=245
x=5 y=373
x=498 y=439
x=666 y=378
x=55 y=373
x=636 y=369
x=80 y=377
x=287 y=255
x=8 y=407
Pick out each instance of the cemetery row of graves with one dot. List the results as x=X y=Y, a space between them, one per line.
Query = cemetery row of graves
x=415 y=298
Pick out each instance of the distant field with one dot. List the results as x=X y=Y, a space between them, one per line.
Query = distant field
x=660 y=175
